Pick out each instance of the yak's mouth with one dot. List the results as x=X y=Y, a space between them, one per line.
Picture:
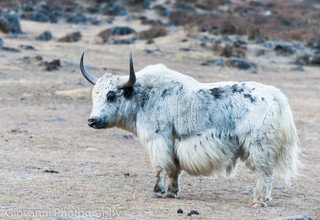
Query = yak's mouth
x=97 y=123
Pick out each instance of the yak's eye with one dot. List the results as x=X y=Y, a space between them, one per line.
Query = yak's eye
x=111 y=96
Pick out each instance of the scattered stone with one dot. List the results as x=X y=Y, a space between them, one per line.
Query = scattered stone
x=1 y=42
x=38 y=58
x=127 y=136
x=52 y=65
x=45 y=36
x=123 y=41
x=53 y=11
x=245 y=191
x=161 y=10
x=10 y=49
x=77 y=17
x=114 y=8
x=302 y=217
x=58 y=119
x=180 y=211
x=148 y=51
x=260 y=52
x=309 y=59
x=216 y=62
x=153 y=32
x=284 y=49
x=152 y=22
x=298 y=67
x=150 y=41
x=316 y=59
x=72 y=37
x=105 y=35
x=16 y=130
x=314 y=44
x=240 y=64
x=126 y=174
x=26 y=47
x=193 y=212
x=185 y=49
x=50 y=171
x=10 y=22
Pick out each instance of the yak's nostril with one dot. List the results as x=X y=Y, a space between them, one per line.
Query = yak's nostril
x=92 y=121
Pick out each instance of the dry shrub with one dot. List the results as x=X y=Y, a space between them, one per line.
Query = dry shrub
x=206 y=4
x=182 y=17
x=153 y=32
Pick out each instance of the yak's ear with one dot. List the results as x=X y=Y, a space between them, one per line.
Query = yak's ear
x=127 y=92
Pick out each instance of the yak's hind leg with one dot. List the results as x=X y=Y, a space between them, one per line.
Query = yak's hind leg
x=263 y=167
x=173 y=185
x=262 y=191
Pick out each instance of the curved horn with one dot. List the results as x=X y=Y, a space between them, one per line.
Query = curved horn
x=86 y=73
x=132 y=76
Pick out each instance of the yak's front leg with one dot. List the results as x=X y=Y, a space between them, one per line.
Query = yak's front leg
x=162 y=158
x=173 y=185
x=160 y=187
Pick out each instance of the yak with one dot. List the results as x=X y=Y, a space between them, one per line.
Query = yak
x=199 y=128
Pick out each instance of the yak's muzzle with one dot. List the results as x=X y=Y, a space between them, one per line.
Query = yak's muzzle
x=96 y=123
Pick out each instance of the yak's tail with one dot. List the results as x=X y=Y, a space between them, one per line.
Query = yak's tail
x=289 y=156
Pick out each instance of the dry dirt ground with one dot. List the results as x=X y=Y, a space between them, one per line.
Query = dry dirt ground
x=107 y=172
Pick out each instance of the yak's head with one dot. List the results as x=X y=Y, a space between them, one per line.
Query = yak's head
x=108 y=95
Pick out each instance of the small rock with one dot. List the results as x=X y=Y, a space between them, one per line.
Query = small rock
x=114 y=9
x=10 y=22
x=1 y=42
x=52 y=65
x=152 y=22
x=240 y=64
x=150 y=41
x=75 y=17
x=147 y=51
x=50 y=171
x=127 y=136
x=298 y=67
x=193 y=212
x=314 y=44
x=284 y=49
x=161 y=10
x=38 y=58
x=126 y=174
x=124 y=41
x=302 y=217
x=105 y=35
x=10 y=49
x=58 y=119
x=73 y=37
x=185 y=49
x=26 y=47
x=316 y=59
x=180 y=211
x=217 y=62
x=16 y=130
x=308 y=59
x=45 y=36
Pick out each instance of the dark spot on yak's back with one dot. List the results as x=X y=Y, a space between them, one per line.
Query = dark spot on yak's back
x=236 y=88
x=217 y=92
x=250 y=97
x=166 y=92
